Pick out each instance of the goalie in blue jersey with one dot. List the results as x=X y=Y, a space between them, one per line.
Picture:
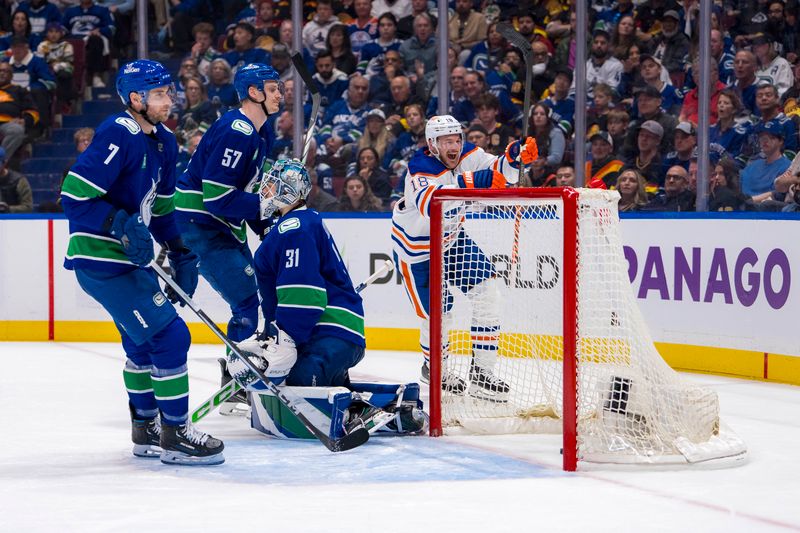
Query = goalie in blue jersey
x=117 y=197
x=307 y=296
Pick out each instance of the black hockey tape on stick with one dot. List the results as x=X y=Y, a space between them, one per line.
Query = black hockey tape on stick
x=298 y=405
x=313 y=88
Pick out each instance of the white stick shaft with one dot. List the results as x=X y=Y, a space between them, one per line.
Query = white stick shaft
x=387 y=267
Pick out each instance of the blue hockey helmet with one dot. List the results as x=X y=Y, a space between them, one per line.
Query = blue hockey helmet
x=139 y=77
x=253 y=74
x=286 y=183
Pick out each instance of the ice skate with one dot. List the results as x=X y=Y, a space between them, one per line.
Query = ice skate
x=450 y=382
x=187 y=445
x=486 y=386
x=146 y=435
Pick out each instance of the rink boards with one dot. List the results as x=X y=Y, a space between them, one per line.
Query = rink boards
x=718 y=295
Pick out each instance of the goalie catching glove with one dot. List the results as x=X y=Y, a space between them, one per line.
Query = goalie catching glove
x=482 y=179
x=274 y=355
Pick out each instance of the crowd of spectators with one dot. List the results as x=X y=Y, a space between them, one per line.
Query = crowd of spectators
x=376 y=64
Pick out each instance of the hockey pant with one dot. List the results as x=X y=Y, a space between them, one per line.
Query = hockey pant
x=155 y=339
x=324 y=361
x=473 y=274
x=227 y=265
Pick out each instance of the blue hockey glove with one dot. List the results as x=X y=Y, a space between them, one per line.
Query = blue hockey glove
x=482 y=179
x=184 y=264
x=134 y=236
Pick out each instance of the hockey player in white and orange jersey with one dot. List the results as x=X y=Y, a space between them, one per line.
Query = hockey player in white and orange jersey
x=449 y=162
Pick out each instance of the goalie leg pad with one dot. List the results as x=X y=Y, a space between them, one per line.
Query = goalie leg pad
x=340 y=406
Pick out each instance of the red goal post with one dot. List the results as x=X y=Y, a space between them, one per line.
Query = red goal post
x=534 y=280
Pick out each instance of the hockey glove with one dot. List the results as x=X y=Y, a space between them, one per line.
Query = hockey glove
x=528 y=154
x=134 y=236
x=184 y=263
x=275 y=356
x=482 y=179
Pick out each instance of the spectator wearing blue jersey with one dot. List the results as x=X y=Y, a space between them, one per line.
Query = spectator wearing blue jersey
x=20 y=28
x=344 y=121
x=364 y=27
x=220 y=89
x=487 y=54
x=769 y=107
x=40 y=14
x=730 y=131
x=723 y=57
x=92 y=23
x=372 y=54
x=32 y=73
x=759 y=175
x=561 y=100
x=331 y=81
x=244 y=51
x=651 y=69
x=744 y=70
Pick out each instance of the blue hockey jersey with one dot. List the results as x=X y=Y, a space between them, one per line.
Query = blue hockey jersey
x=303 y=282
x=123 y=168
x=218 y=189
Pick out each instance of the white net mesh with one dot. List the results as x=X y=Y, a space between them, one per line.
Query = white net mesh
x=503 y=335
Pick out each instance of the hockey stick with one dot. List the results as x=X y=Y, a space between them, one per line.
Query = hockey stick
x=518 y=40
x=227 y=391
x=298 y=405
x=316 y=97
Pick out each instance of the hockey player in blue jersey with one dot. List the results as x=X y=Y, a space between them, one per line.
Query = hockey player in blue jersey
x=307 y=296
x=217 y=194
x=118 y=196
x=449 y=162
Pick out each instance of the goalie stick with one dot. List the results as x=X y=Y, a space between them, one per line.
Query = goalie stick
x=518 y=40
x=307 y=414
x=316 y=97
x=227 y=391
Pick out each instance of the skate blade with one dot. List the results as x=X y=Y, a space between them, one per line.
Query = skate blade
x=480 y=393
x=148 y=451
x=178 y=458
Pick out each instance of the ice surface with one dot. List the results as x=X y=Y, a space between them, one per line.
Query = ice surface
x=66 y=466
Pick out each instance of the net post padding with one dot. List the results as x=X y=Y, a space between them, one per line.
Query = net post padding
x=569 y=339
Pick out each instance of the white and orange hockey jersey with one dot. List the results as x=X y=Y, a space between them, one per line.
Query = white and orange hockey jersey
x=411 y=231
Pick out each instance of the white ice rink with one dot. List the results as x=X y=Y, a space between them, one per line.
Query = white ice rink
x=66 y=466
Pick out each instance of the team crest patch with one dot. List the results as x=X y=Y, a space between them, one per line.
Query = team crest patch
x=289 y=225
x=129 y=124
x=241 y=125
x=249 y=270
x=159 y=299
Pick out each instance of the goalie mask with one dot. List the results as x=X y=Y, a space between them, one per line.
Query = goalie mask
x=286 y=183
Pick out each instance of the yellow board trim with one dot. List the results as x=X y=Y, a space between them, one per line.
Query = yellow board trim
x=781 y=368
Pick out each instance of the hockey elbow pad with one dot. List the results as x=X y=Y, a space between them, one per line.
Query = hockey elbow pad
x=482 y=179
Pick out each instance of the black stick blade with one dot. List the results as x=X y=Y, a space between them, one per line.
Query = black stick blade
x=349 y=441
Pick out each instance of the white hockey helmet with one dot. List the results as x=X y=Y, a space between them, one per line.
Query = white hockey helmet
x=438 y=126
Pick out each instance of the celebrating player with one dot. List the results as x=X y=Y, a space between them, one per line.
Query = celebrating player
x=218 y=193
x=449 y=162
x=307 y=295
x=118 y=194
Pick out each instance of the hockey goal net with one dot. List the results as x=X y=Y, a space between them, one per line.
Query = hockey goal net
x=532 y=286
